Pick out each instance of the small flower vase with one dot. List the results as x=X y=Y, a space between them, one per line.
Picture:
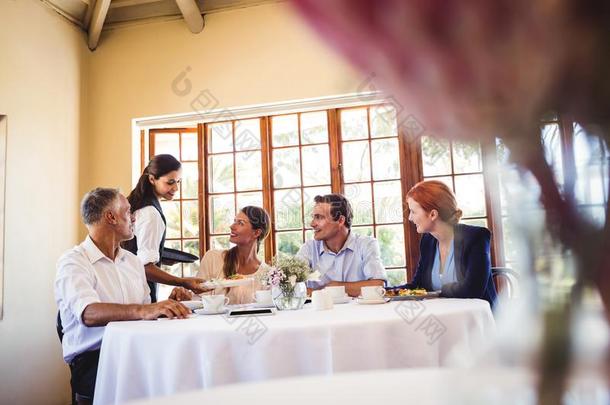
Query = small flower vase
x=288 y=297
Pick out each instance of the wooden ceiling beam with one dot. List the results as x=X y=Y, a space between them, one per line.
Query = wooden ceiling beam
x=192 y=15
x=128 y=3
x=97 y=22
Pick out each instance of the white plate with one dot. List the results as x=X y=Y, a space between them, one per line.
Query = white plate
x=342 y=300
x=362 y=301
x=192 y=304
x=225 y=283
x=206 y=312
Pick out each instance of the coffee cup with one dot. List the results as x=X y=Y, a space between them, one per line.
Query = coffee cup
x=337 y=293
x=321 y=300
x=372 y=292
x=215 y=303
x=263 y=297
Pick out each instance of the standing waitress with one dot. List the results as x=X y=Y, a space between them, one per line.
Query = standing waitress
x=160 y=179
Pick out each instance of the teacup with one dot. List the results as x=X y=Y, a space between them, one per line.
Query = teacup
x=321 y=300
x=215 y=303
x=372 y=292
x=263 y=297
x=337 y=293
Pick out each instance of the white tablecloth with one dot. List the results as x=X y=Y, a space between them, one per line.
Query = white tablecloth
x=145 y=359
x=429 y=386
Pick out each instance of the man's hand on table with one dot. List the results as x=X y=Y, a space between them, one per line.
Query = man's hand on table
x=167 y=308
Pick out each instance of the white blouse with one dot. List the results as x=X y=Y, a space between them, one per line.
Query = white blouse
x=148 y=229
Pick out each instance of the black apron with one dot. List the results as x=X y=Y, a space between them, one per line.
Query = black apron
x=132 y=245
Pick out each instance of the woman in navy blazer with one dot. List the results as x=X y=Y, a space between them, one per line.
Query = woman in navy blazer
x=454 y=258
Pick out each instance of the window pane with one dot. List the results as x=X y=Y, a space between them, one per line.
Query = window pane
x=286 y=168
x=167 y=143
x=388 y=202
x=288 y=242
x=316 y=165
x=190 y=219
x=221 y=173
x=221 y=137
x=288 y=209
x=448 y=180
x=190 y=269
x=190 y=180
x=359 y=196
x=436 y=157
x=392 y=245
x=591 y=160
x=595 y=214
x=171 y=211
x=363 y=230
x=190 y=150
x=396 y=277
x=356 y=162
x=510 y=242
x=466 y=157
x=354 y=124
x=314 y=127
x=308 y=195
x=245 y=199
x=308 y=235
x=470 y=195
x=385 y=159
x=552 y=150
x=247 y=135
x=220 y=242
x=248 y=171
x=222 y=212
x=285 y=130
x=383 y=121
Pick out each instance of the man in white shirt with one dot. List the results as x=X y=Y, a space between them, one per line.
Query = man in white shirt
x=98 y=282
x=342 y=257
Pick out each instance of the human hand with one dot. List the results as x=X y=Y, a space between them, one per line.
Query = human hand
x=167 y=308
x=180 y=294
x=194 y=284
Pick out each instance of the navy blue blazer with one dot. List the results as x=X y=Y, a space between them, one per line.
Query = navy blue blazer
x=472 y=265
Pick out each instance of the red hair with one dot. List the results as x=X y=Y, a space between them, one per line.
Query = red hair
x=435 y=195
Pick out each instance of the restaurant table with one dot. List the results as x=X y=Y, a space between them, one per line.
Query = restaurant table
x=143 y=359
x=421 y=386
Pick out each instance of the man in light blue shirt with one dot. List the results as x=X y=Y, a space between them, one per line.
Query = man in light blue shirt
x=341 y=257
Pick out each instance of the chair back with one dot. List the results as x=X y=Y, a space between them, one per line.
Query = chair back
x=506 y=281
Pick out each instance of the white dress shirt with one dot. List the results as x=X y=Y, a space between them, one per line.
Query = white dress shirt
x=86 y=276
x=148 y=229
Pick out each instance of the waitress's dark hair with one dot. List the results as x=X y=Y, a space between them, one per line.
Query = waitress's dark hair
x=158 y=166
x=259 y=219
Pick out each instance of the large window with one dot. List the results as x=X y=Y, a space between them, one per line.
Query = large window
x=281 y=162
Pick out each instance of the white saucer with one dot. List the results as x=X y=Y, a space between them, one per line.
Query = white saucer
x=362 y=301
x=342 y=300
x=203 y=311
x=192 y=304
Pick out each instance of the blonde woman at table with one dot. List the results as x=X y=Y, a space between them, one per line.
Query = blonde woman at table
x=250 y=227
x=454 y=258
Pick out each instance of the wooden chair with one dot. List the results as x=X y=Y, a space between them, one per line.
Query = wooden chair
x=506 y=281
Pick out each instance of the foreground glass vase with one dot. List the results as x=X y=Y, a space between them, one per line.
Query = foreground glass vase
x=287 y=297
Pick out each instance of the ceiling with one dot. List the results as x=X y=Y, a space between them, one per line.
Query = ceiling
x=94 y=16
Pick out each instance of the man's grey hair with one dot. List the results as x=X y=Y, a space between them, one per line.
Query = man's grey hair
x=95 y=202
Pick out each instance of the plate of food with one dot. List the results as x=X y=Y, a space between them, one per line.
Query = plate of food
x=403 y=294
x=231 y=281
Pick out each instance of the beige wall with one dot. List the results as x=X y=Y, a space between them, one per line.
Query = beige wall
x=59 y=146
x=41 y=64
x=248 y=56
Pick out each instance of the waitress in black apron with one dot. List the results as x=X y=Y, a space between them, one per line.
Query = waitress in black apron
x=160 y=179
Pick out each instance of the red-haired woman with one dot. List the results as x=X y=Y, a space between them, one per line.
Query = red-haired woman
x=454 y=258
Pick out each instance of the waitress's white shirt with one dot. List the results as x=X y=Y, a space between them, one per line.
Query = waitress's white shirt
x=148 y=229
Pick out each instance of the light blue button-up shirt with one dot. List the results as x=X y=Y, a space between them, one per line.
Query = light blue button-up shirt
x=358 y=260
x=448 y=275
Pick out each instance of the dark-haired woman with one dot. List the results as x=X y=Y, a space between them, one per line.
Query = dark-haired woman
x=160 y=179
x=249 y=229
